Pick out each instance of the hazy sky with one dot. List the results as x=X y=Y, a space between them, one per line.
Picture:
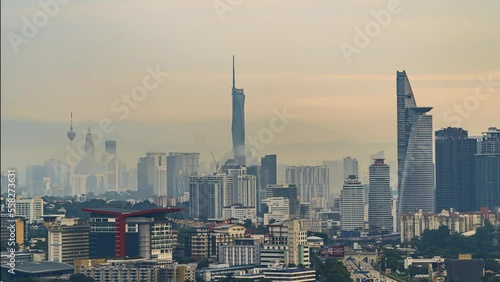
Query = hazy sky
x=91 y=52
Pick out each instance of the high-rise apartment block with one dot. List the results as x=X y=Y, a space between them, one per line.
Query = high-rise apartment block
x=414 y=224
x=180 y=166
x=208 y=195
x=312 y=183
x=152 y=174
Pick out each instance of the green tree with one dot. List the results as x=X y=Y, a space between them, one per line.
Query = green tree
x=80 y=278
x=247 y=223
x=203 y=263
x=493 y=265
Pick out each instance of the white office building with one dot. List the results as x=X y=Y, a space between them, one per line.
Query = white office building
x=244 y=188
x=239 y=212
x=351 y=205
x=278 y=209
x=242 y=252
x=30 y=209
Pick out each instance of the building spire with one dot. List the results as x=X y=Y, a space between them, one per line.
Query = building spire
x=234 y=81
x=71 y=124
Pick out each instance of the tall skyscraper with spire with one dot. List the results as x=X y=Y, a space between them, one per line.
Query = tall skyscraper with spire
x=238 y=122
x=415 y=167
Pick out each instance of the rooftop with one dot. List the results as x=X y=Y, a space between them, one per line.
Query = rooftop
x=288 y=270
x=131 y=213
x=42 y=267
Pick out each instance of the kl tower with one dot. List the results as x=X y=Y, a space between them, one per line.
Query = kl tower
x=71 y=136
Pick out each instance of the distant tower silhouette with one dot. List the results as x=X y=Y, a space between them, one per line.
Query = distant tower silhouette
x=71 y=134
x=89 y=146
x=238 y=122
x=88 y=164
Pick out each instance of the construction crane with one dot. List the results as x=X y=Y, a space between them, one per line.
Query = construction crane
x=217 y=170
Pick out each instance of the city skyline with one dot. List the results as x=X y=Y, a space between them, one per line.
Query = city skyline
x=318 y=88
x=262 y=140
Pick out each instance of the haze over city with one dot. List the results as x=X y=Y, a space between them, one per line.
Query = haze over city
x=288 y=55
x=260 y=140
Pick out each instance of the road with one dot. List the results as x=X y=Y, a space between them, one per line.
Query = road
x=367 y=271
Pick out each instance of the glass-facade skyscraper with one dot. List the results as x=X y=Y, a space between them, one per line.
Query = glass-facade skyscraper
x=455 y=170
x=487 y=162
x=380 y=198
x=268 y=170
x=415 y=167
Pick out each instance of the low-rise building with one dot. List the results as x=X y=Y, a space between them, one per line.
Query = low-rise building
x=13 y=228
x=239 y=212
x=274 y=254
x=24 y=256
x=465 y=269
x=68 y=239
x=40 y=269
x=289 y=233
x=242 y=252
x=214 y=271
x=204 y=242
x=277 y=209
x=312 y=224
x=315 y=242
x=131 y=270
x=290 y=274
